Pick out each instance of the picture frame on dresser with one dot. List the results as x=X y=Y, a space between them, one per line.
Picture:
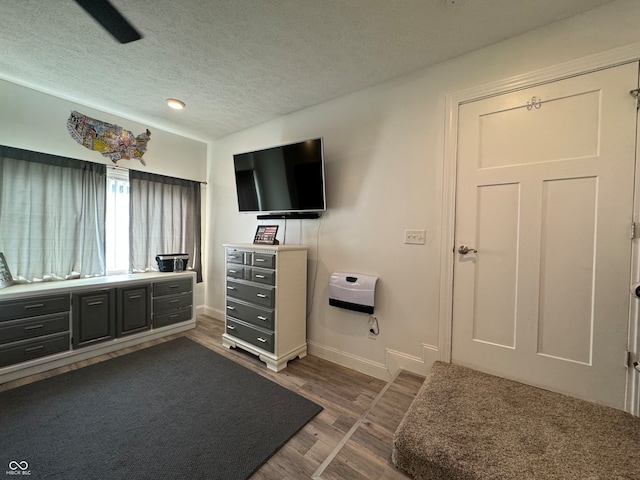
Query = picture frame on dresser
x=266 y=235
x=5 y=275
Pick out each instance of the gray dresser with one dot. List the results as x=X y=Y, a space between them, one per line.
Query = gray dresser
x=266 y=293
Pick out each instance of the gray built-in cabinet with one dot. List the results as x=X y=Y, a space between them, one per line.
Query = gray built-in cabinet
x=44 y=326
x=133 y=309
x=266 y=300
x=94 y=317
x=33 y=327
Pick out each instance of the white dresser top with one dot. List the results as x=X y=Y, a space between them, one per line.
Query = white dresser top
x=20 y=290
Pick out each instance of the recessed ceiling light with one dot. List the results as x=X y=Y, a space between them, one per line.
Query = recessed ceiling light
x=175 y=103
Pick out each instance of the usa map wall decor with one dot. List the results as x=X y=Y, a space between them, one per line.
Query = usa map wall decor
x=109 y=139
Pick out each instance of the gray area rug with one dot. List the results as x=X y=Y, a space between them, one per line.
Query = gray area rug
x=467 y=425
x=174 y=410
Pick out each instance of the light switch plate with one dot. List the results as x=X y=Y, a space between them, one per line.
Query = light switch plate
x=415 y=237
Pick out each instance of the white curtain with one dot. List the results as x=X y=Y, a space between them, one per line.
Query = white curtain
x=52 y=216
x=164 y=218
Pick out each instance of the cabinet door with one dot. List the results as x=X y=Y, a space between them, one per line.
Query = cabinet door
x=94 y=317
x=134 y=309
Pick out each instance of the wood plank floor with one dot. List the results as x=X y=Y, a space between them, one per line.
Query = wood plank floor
x=350 y=439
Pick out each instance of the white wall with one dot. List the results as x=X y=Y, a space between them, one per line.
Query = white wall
x=37 y=121
x=384 y=166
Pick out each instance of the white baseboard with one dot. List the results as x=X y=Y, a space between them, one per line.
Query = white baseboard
x=395 y=361
x=210 y=311
x=349 y=360
x=419 y=365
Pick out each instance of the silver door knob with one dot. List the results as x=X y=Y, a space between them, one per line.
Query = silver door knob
x=463 y=249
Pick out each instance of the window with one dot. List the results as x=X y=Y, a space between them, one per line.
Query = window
x=62 y=218
x=117 y=221
x=52 y=216
x=165 y=218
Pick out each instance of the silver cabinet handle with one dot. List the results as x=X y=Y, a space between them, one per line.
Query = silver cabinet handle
x=233 y=271
x=34 y=305
x=94 y=304
x=463 y=249
x=33 y=327
x=34 y=349
x=231 y=288
x=260 y=317
x=259 y=276
x=230 y=307
x=260 y=259
x=261 y=295
x=260 y=339
x=231 y=327
x=134 y=297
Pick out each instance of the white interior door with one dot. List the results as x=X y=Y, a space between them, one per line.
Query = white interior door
x=545 y=194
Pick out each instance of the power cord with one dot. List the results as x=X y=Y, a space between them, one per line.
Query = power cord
x=315 y=270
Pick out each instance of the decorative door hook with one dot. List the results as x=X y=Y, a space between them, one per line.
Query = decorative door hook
x=534 y=102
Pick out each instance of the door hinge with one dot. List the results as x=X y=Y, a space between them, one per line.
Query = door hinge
x=636 y=94
x=632 y=231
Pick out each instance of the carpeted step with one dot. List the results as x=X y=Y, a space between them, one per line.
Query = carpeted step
x=468 y=425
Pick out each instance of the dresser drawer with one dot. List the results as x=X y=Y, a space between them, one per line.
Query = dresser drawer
x=250 y=314
x=253 y=335
x=15 y=330
x=234 y=256
x=173 y=301
x=178 y=285
x=261 y=275
x=29 y=349
x=263 y=296
x=173 y=316
x=30 y=307
x=264 y=260
x=236 y=271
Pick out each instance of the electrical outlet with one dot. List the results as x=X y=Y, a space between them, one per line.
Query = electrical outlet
x=415 y=237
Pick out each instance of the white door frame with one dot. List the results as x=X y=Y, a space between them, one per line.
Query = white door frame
x=453 y=101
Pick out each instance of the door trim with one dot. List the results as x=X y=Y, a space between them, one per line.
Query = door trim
x=453 y=101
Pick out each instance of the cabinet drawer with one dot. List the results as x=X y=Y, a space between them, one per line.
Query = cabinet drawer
x=170 y=287
x=250 y=314
x=29 y=349
x=173 y=301
x=172 y=316
x=15 y=330
x=264 y=296
x=265 y=260
x=253 y=335
x=235 y=271
x=30 y=307
x=260 y=275
x=234 y=256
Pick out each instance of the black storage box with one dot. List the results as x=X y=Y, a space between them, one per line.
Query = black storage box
x=169 y=262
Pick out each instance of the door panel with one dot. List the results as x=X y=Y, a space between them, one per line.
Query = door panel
x=545 y=195
x=496 y=268
x=565 y=318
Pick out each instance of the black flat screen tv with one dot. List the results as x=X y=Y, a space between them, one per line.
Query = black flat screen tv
x=285 y=180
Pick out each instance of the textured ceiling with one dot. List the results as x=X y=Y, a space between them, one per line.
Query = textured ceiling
x=237 y=63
